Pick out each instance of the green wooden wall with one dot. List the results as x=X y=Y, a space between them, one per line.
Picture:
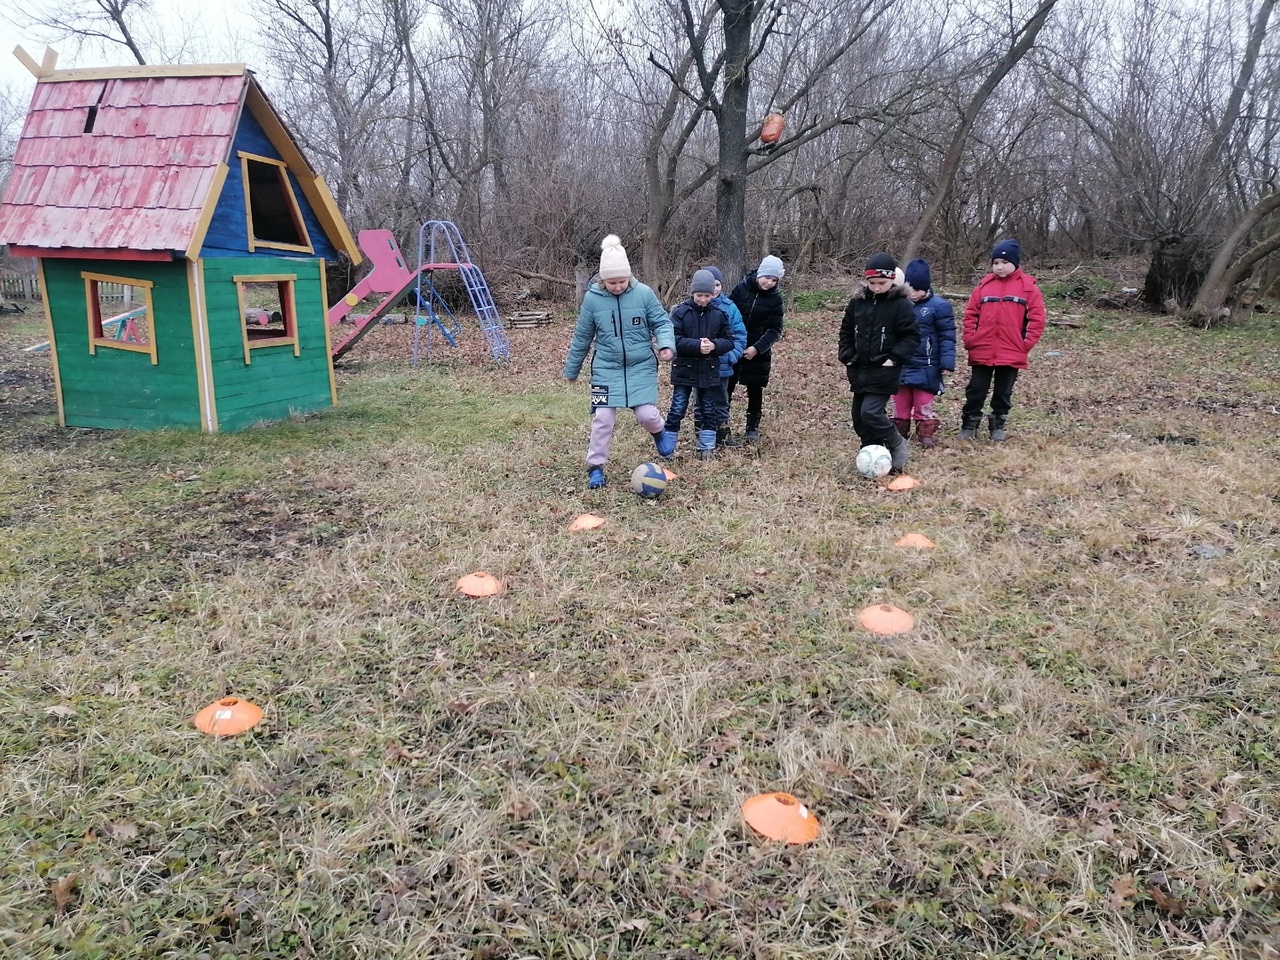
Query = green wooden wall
x=275 y=383
x=117 y=389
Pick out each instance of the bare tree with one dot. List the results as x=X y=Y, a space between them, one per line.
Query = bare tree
x=1020 y=40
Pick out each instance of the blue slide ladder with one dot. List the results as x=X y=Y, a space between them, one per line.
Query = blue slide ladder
x=429 y=307
x=441 y=239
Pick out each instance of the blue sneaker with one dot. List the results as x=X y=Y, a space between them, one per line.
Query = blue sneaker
x=665 y=441
x=595 y=478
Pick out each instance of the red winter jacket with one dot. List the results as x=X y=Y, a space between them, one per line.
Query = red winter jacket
x=1004 y=320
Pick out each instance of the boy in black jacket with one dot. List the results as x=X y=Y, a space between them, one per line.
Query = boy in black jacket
x=703 y=333
x=877 y=336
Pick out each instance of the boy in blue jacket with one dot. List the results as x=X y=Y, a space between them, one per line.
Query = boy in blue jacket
x=729 y=359
x=703 y=335
x=936 y=355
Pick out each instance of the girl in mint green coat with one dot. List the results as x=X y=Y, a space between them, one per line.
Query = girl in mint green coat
x=623 y=318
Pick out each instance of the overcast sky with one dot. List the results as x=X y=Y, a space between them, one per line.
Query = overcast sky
x=214 y=31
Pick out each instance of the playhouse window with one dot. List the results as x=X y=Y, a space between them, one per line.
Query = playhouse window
x=120 y=314
x=271 y=209
x=268 y=310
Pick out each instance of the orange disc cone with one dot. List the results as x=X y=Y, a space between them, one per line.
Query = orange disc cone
x=479 y=584
x=227 y=717
x=884 y=618
x=780 y=816
x=902 y=483
x=671 y=474
x=918 y=540
x=588 y=521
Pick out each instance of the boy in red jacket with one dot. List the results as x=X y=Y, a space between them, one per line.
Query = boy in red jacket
x=1003 y=321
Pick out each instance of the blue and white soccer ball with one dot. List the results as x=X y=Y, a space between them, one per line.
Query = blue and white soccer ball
x=874 y=461
x=649 y=480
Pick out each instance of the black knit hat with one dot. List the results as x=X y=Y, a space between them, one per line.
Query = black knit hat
x=882 y=265
x=1007 y=250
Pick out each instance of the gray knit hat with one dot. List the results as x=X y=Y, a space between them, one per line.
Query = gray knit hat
x=703 y=281
x=771 y=266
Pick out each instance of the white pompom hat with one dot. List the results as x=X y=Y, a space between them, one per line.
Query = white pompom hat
x=613 y=259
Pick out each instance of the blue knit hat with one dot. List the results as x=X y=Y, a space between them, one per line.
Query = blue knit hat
x=918 y=275
x=771 y=266
x=702 y=282
x=715 y=272
x=1007 y=250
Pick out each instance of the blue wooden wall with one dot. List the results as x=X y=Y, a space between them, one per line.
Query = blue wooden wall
x=228 y=234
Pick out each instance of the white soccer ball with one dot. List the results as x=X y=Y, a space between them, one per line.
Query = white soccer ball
x=874 y=461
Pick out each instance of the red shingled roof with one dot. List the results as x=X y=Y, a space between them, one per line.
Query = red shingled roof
x=138 y=181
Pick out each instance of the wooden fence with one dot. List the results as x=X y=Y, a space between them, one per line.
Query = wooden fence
x=21 y=286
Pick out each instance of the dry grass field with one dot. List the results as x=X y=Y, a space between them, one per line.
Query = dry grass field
x=1072 y=755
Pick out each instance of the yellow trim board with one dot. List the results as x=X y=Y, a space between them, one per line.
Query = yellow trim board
x=295 y=210
x=313 y=186
x=328 y=342
x=53 y=342
x=288 y=302
x=206 y=212
x=94 y=313
x=200 y=338
x=143 y=72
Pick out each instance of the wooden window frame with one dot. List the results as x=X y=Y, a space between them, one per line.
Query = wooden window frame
x=94 y=308
x=288 y=306
x=282 y=171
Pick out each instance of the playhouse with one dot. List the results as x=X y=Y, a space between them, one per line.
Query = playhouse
x=181 y=237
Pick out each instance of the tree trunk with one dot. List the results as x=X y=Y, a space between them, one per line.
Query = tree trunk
x=731 y=180
x=1215 y=290
x=955 y=151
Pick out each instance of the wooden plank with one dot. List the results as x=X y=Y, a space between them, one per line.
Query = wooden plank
x=133 y=72
x=53 y=343
x=211 y=201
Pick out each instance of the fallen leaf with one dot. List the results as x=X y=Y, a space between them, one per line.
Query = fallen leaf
x=397 y=752
x=713 y=891
x=1105 y=831
x=1233 y=814
x=60 y=710
x=835 y=769
x=122 y=830
x=638 y=924
x=63 y=890
x=987 y=869
x=1029 y=919
x=1123 y=889
x=460 y=707
x=521 y=809
x=1164 y=901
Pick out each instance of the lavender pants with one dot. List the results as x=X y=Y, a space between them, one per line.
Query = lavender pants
x=603 y=422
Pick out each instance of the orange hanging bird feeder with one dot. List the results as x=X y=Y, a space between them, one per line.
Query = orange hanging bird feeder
x=227 y=717
x=771 y=131
x=780 y=816
x=479 y=584
x=902 y=483
x=588 y=521
x=917 y=540
x=886 y=619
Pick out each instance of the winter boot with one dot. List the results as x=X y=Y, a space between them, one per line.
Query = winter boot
x=898 y=451
x=753 y=429
x=969 y=429
x=904 y=426
x=998 y=432
x=722 y=436
x=665 y=441
x=925 y=430
x=707 y=444
x=595 y=478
